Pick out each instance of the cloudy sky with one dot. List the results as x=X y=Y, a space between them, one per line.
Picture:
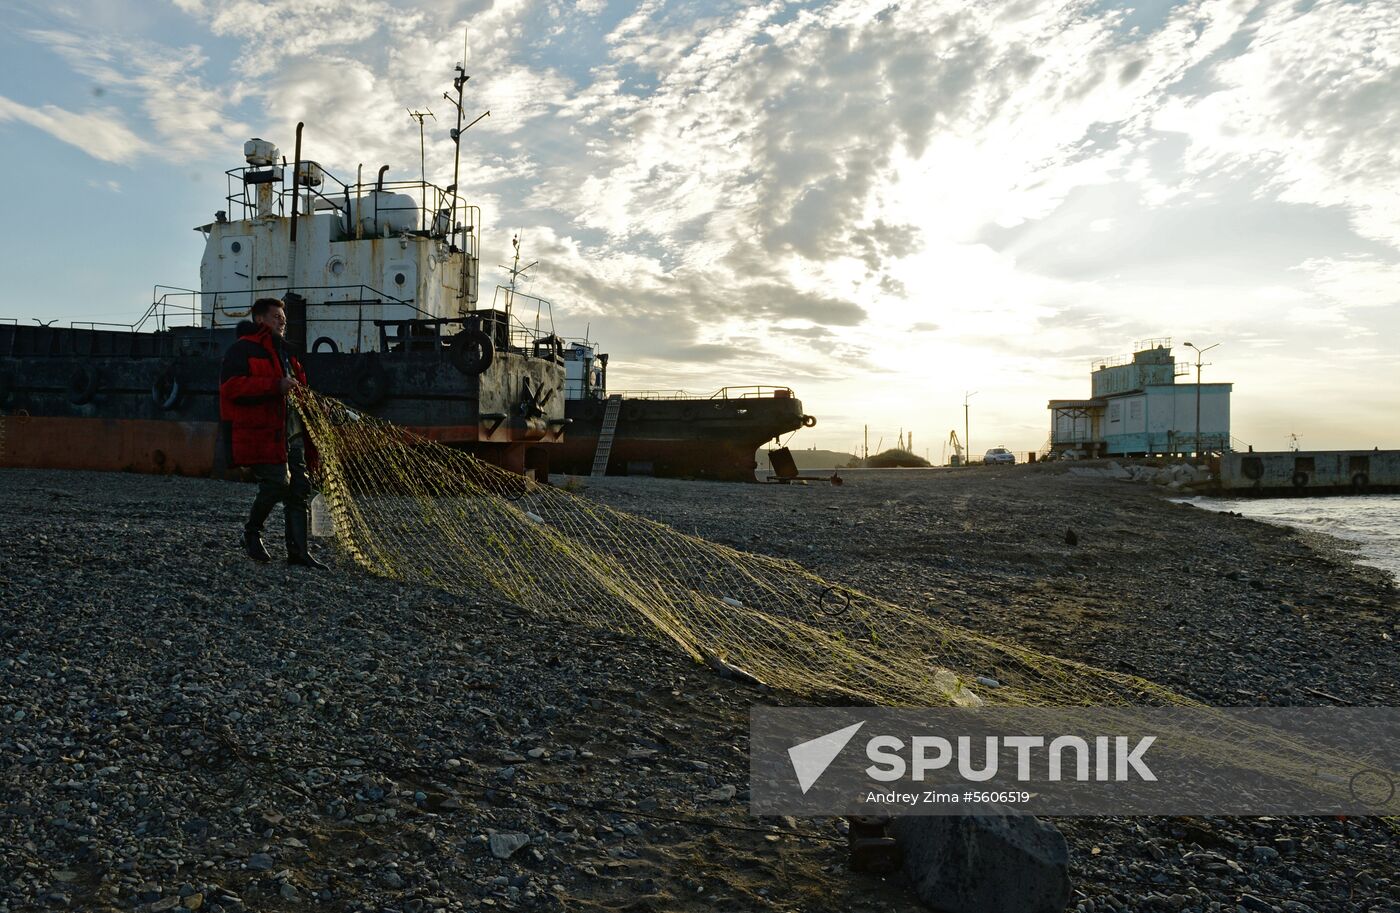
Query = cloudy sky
x=883 y=205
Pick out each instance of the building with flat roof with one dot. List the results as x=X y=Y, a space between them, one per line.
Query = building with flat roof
x=1136 y=408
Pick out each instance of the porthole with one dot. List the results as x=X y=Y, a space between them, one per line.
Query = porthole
x=236 y=246
x=336 y=266
x=399 y=278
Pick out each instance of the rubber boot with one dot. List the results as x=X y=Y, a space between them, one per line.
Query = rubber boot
x=252 y=530
x=253 y=545
x=298 y=528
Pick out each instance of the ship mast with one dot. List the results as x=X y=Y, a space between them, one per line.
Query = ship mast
x=422 y=167
x=516 y=271
x=458 y=82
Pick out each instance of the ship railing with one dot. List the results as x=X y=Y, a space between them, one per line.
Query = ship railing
x=180 y=307
x=430 y=207
x=505 y=332
x=754 y=391
x=333 y=193
x=175 y=307
x=159 y=312
x=510 y=301
x=656 y=394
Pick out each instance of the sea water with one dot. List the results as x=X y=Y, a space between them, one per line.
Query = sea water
x=1372 y=522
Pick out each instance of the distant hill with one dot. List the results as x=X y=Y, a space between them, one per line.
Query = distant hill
x=896 y=457
x=810 y=459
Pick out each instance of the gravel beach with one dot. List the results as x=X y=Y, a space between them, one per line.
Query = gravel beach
x=183 y=729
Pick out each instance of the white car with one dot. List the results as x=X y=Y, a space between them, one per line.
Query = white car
x=999 y=455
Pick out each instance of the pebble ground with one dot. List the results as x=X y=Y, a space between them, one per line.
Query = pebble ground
x=183 y=729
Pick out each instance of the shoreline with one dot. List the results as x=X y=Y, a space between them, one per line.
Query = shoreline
x=185 y=722
x=1365 y=550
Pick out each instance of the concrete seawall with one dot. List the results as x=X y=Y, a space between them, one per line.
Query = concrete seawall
x=1293 y=472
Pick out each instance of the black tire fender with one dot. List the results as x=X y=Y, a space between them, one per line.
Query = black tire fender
x=369 y=382
x=316 y=346
x=1300 y=479
x=808 y=421
x=82 y=386
x=471 y=352
x=166 y=390
x=1360 y=482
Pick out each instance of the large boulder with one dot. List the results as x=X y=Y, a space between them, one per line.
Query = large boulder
x=985 y=863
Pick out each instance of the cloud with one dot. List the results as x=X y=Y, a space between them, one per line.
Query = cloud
x=184 y=113
x=742 y=189
x=1309 y=101
x=275 y=32
x=1356 y=282
x=102 y=133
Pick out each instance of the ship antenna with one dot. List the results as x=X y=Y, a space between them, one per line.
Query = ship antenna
x=458 y=82
x=422 y=165
x=516 y=272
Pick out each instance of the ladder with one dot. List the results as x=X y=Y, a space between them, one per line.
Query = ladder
x=606 y=434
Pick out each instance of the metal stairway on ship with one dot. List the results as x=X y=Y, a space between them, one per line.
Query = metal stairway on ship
x=605 y=436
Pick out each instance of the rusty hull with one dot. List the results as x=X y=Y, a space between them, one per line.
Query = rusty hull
x=512 y=415
x=679 y=438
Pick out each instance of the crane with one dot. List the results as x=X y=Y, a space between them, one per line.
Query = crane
x=959 y=457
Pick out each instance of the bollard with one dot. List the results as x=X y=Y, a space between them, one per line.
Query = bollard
x=871 y=847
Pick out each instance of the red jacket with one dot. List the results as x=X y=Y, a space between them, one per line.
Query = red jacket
x=249 y=398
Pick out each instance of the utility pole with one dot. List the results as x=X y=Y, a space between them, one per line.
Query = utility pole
x=967 y=433
x=422 y=164
x=1199 y=353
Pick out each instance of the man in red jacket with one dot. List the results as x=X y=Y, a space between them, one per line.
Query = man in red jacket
x=255 y=384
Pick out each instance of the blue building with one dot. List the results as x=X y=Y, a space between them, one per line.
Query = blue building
x=1136 y=408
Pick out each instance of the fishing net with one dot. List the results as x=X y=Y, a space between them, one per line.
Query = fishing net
x=422 y=512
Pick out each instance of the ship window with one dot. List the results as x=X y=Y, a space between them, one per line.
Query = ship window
x=399 y=278
x=235 y=247
x=337 y=266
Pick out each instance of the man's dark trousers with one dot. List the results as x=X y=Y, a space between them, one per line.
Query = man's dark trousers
x=287 y=484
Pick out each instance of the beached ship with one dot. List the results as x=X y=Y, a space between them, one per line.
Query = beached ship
x=381 y=283
x=667 y=433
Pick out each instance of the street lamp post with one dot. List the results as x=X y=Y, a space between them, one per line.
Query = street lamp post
x=967 y=435
x=1199 y=353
